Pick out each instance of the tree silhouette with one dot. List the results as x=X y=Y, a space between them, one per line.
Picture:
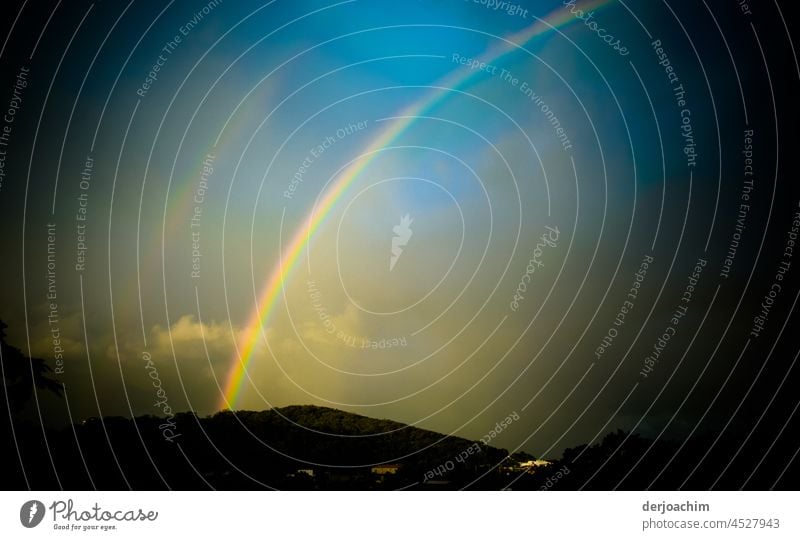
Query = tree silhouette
x=21 y=373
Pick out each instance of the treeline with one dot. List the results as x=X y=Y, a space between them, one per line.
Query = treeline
x=309 y=447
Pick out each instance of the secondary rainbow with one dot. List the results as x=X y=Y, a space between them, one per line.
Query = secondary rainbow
x=271 y=292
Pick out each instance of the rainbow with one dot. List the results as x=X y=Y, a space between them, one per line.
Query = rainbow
x=288 y=261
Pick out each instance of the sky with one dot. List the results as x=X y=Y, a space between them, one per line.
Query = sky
x=219 y=185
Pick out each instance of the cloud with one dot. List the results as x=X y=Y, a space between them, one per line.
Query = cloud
x=203 y=342
x=329 y=329
x=189 y=332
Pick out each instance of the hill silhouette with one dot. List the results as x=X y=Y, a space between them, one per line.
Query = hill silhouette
x=247 y=450
x=311 y=447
